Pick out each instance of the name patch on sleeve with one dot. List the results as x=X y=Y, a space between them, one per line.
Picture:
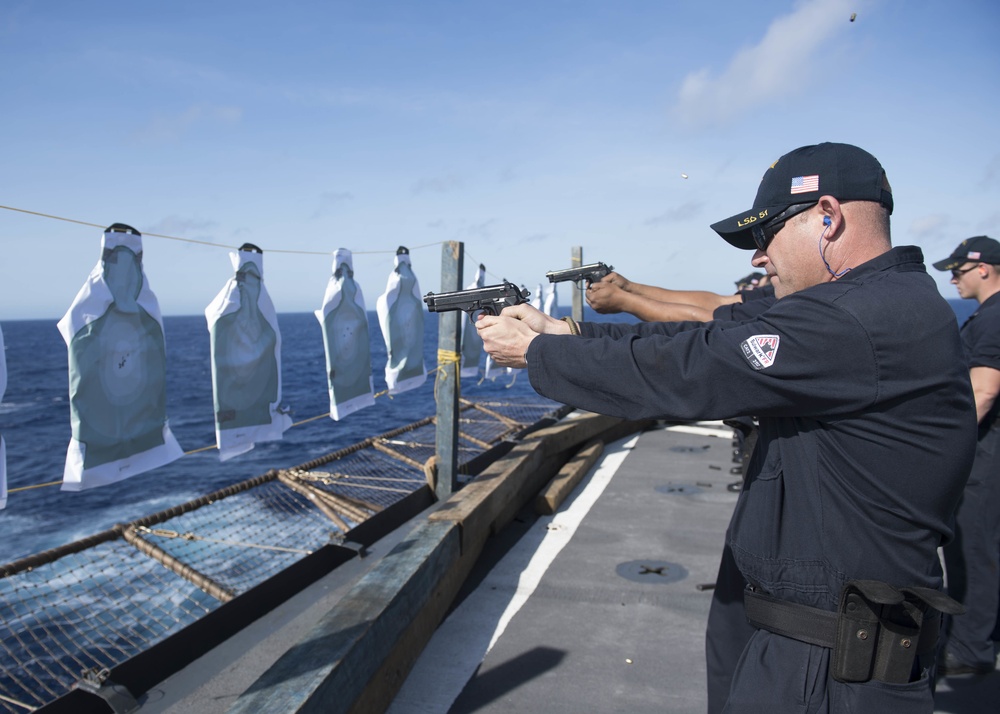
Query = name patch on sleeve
x=760 y=350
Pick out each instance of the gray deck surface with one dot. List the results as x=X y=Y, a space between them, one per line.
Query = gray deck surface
x=595 y=635
x=616 y=623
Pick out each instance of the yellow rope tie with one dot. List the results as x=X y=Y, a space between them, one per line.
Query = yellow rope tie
x=445 y=358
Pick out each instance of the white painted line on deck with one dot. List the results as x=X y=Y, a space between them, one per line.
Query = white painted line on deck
x=463 y=640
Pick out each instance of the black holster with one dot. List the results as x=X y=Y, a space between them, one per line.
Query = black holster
x=876 y=633
x=881 y=630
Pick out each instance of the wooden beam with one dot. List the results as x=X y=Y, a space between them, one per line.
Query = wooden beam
x=489 y=501
x=568 y=477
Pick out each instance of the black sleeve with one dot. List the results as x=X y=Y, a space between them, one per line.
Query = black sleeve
x=764 y=293
x=802 y=357
x=740 y=311
x=616 y=330
x=984 y=347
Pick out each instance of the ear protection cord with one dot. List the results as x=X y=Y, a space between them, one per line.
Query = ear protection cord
x=819 y=247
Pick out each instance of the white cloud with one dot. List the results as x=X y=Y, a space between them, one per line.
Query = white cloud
x=178 y=225
x=481 y=230
x=680 y=213
x=989 y=224
x=991 y=174
x=436 y=184
x=329 y=200
x=930 y=227
x=782 y=62
x=170 y=127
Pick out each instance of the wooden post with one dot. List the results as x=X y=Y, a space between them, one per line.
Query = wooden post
x=446 y=387
x=576 y=260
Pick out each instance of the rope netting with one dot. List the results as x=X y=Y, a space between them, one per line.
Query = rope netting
x=95 y=603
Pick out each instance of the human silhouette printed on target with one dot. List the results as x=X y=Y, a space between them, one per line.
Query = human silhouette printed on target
x=345 y=329
x=118 y=370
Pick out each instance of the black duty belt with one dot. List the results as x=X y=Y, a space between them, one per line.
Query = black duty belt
x=876 y=634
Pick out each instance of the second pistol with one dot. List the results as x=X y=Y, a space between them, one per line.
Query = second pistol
x=591 y=273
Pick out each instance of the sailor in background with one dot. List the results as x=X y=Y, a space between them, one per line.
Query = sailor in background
x=752 y=281
x=972 y=560
x=866 y=434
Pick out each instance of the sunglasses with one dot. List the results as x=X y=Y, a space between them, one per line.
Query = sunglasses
x=764 y=234
x=956 y=273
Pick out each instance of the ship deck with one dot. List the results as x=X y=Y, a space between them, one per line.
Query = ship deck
x=599 y=607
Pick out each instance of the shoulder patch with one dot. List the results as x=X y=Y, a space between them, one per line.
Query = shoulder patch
x=760 y=350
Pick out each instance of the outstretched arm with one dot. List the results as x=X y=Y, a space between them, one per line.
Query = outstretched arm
x=607 y=297
x=985 y=387
x=699 y=298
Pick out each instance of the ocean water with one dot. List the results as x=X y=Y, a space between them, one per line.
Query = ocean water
x=35 y=423
x=34 y=420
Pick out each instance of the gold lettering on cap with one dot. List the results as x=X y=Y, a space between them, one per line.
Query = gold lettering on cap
x=752 y=219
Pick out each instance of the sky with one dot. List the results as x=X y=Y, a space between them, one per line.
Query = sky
x=521 y=129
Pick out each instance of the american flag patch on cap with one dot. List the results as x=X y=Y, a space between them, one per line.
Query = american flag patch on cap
x=805 y=184
x=974 y=255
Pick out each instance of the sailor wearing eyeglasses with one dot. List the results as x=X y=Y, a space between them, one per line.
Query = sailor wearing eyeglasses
x=972 y=559
x=866 y=436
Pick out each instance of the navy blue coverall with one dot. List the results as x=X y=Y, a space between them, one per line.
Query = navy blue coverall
x=866 y=417
x=973 y=557
x=754 y=302
x=728 y=628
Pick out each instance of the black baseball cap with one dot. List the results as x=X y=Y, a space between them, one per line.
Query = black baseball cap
x=804 y=175
x=981 y=249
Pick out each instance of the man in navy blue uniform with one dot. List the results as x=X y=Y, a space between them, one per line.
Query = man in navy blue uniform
x=866 y=435
x=972 y=559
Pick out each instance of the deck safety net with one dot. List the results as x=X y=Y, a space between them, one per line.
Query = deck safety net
x=72 y=613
